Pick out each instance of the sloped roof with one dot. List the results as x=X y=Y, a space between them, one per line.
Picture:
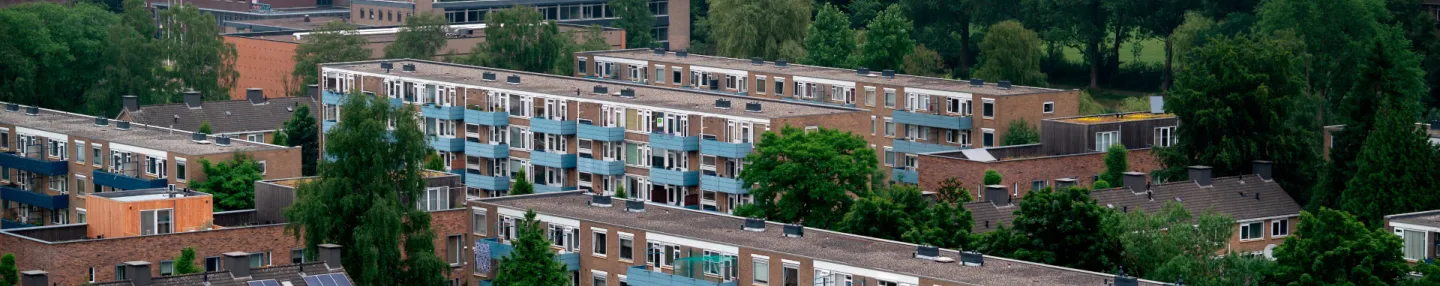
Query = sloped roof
x=230 y=116
x=293 y=273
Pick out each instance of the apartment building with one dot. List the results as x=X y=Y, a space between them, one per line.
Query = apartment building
x=443 y=191
x=53 y=161
x=1420 y=232
x=606 y=241
x=254 y=118
x=1264 y=213
x=908 y=115
x=671 y=30
x=665 y=145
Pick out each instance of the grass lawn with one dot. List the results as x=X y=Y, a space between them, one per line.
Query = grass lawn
x=1151 y=50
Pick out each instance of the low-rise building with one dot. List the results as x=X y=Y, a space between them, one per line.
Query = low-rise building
x=239 y=270
x=255 y=118
x=671 y=28
x=1420 y=232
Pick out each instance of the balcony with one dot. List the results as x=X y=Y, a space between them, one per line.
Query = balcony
x=601 y=167
x=724 y=185
x=55 y=202
x=326 y=125
x=675 y=178
x=486 y=118
x=448 y=144
x=35 y=165
x=497 y=250
x=908 y=147
x=932 y=120
x=641 y=276
x=553 y=160
x=570 y=259
x=725 y=149
x=124 y=182
x=675 y=143
x=487 y=150
x=9 y=224
x=548 y=126
x=431 y=110
x=333 y=98
x=541 y=189
x=484 y=182
x=601 y=133
x=396 y=103
x=905 y=175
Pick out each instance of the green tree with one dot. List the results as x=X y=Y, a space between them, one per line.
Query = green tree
x=1021 y=133
x=829 y=41
x=1116 y=164
x=138 y=18
x=532 y=262
x=1331 y=247
x=421 y=38
x=53 y=55
x=634 y=16
x=358 y=198
x=185 y=264
x=594 y=40
x=1100 y=185
x=1392 y=164
x=332 y=43
x=992 y=177
x=809 y=177
x=1419 y=27
x=1088 y=105
x=952 y=191
x=205 y=127
x=231 y=182
x=1058 y=227
x=1194 y=32
x=200 y=58
x=1083 y=22
x=433 y=162
x=620 y=193
x=924 y=62
x=945 y=25
x=944 y=225
x=522 y=185
x=1011 y=52
x=518 y=38
x=1241 y=99
x=1334 y=33
x=745 y=28
x=887 y=40
x=862 y=11
x=301 y=130
x=8 y=271
x=1156 y=245
x=280 y=138
x=1160 y=18
x=881 y=215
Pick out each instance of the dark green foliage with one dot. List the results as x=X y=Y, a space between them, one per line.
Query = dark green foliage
x=422 y=37
x=433 y=162
x=1429 y=275
x=952 y=191
x=750 y=211
x=522 y=185
x=924 y=62
x=518 y=38
x=200 y=59
x=862 y=11
x=205 y=128
x=809 y=177
x=830 y=41
x=10 y=275
x=944 y=225
x=620 y=193
x=185 y=264
x=1021 y=133
x=532 y=262
x=887 y=40
x=635 y=17
x=1116 y=165
x=1058 y=227
x=1172 y=243
x=334 y=42
x=280 y=138
x=302 y=130
x=1011 y=52
x=1418 y=25
x=231 y=182
x=746 y=28
x=878 y=216
x=992 y=177
x=945 y=26
x=50 y=54
x=356 y=200
x=1083 y=22
x=1331 y=247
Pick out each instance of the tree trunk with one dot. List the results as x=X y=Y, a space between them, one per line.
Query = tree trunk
x=1167 y=76
x=1113 y=64
x=1092 y=48
x=965 y=48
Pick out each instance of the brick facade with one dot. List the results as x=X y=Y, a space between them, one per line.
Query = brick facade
x=1025 y=171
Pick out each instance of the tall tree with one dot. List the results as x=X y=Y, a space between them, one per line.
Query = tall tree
x=1333 y=248
x=1078 y=21
x=887 y=40
x=185 y=264
x=1157 y=244
x=943 y=224
x=301 y=130
x=635 y=17
x=1241 y=101
x=358 y=198
x=8 y=271
x=1116 y=165
x=1058 y=227
x=829 y=41
x=334 y=42
x=133 y=69
x=50 y=54
x=1011 y=52
x=231 y=182
x=200 y=59
x=518 y=38
x=522 y=185
x=1021 y=132
x=1394 y=158
x=745 y=28
x=882 y=215
x=1419 y=26
x=944 y=25
x=1335 y=33
x=137 y=17
x=862 y=11
x=532 y=262
x=952 y=191
x=924 y=62
x=421 y=38
x=1160 y=18
x=809 y=177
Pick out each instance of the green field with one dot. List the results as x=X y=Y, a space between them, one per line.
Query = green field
x=1151 y=51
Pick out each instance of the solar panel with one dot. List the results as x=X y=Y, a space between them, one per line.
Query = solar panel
x=271 y=283
x=312 y=281
x=341 y=279
x=325 y=280
x=254 y=283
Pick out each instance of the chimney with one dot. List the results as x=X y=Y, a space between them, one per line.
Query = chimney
x=862 y=71
x=975 y=82
x=754 y=224
x=1201 y=175
x=757 y=61
x=1157 y=104
x=255 y=95
x=780 y=63
x=138 y=272
x=193 y=99
x=13 y=107
x=330 y=254
x=997 y=195
x=794 y=230
x=131 y=102
x=313 y=91
x=387 y=66
x=1004 y=84
x=1064 y=183
x=238 y=263
x=887 y=73
x=1263 y=169
x=1135 y=181
x=34 y=278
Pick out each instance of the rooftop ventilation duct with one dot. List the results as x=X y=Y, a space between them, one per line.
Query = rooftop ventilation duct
x=1201 y=175
x=781 y=63
x=32 y=110
x=931 y=253
x=600 y=200
x=222 y=140
x=129 y=102
x=627 y=93
x=975 y=82
x=13 y=107
x=512 y=79
x=34 y=278
x=1135 y=181
x=138 y=272
x=330 y=255
x=255 y=95
x=601 y=90
x=862 y=71
x=193 y=99
x=635 y=206
x=794 y=230
x=408 y=68
x=122 y=125
x=753 y=107
x=487 y=76
x=387 y=66
x=754 y=224
x=682 y=54
x=722 y=103
x=997 y=195
x=238 y=263
x=101 y=121
x=1004 y=84
x=888 y=73
x=313 y=91
x=198 y=137
x=659 y=51
x=1262 y=168
x=970 y=258
x=757 y=61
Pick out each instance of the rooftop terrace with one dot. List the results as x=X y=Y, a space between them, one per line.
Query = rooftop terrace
x=139 y=135
x=1113 y=118
x=147 y=195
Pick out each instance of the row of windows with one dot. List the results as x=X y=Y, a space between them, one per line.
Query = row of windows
x=553 y=12
x=212 y=264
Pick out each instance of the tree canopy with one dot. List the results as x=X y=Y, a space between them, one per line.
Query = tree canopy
x=334 y=42
x=1058 y=227
x=301 y=130
x=522 y=185
x=887 y=40
x=1011 y=52
x=635 y=17
x=923 y=61
x=1172 y=243
x=199 y=57
x=231 y=182
x=518 y=38
x=421 y=38
x=746 y=29
x=185 y=264
x=829 y=41
x=1331 y=247
x=1116 y=164
x=8 y=273
x=1021 y=132
x=532 y=262
x=809 y=177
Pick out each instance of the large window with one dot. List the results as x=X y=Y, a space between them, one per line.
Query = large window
x=1103 y=140
x=156 y=221
x=1414 y=243
x=434 y=199
x=988 y=110
x=1252 y=230
x=477 y=222
x=760 y=269
x=1165 y=136
x=600 y=244
x=57 y=149
x=661 y=255
x=80 y=152
x=890 y=98
x=989 y=137
x=180 y=169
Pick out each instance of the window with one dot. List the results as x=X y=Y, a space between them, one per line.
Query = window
x=627 y=247
x=779 y=86
x=1414 y=243
x=1165 y=136
x=155 y=166
x=889 y=127
x=212 y=264
x=1279 y=228
x=791 y=274
x=259 y=259
x=180 y=169
x=889 y=156
x=598 y=278
x=80 y=152
x=579 y=60
x=564 y=237
x=675 y=75
x=477 y=221
x=869 y=96
x=760 y=269
x=660 y=74
x=156 y=222
x=57 y=149
x=661 y=255
x=297 y=256
x=434 y=199
x=890 y=98
x=57 y=183
x=80 y=185
x=95 y=154
x=90 y=276
x=1251 y=231
x=453 y=245
x=873 y=125
x=1103 y=140
x=988 y=110
x=261 y=164
x=1037 y=185
x=120 y=272
x=5 y=139
x=989 y=137
x=599 y=244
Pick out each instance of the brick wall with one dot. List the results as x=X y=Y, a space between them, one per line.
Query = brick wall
x=264 y=64
x=934 y=169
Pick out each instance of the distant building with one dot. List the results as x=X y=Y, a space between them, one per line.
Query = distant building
x=672 y=17
x=1420 y=232
x=227 y=11
x=255 y=118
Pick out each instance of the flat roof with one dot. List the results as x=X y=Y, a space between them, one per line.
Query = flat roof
x=818 y=244
x=139 y=135
x=990 y=87
x=315 y=22
x=295 y=182
x=1429 y=218
x=1113 y=118
x=667 y=98
x=147 y=195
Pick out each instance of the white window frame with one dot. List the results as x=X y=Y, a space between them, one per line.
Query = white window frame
x=1104 y=139
x=1165 y=136
x=1246 y=226
x=1279 y=228
x=597 y=249
x=1048 y=107
x=993 y=107
x=889 y=127
x=993 y=140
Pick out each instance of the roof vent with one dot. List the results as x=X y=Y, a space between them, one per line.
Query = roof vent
x=754 y=224
x=222 y=140
x=780 y=63
x=408 y=68
x=975 y=82
x=627 y=93
x=122 y=125
x=12 y=107
x=722 y=103
x=753 y=107
x=757 y=61
x=101 y=121
x=1262 y=168
x=1125 y=280
x=199 y=137
x=659 y=51
x=888 y=73
x=682 y=54
x=997 y=195
x=601 y=90
x=387 y=66
x=1004 y=84
x=32 y=110
x=970 y=258
x=931 y=253
x=1201 y=175
x=487 y=76
x=600 y=200
x=512 y=79
x=862 y=71
x=794 y=230
x=635 y=206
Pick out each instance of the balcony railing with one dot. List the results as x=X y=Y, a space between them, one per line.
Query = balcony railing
x=601 y=167
x=725 y=149
x=673 y=177
x=486 y=118
x=33 y=164
x=723 y=185
x=448 y=144
x=54 y=202
x=550 y=126
x=326 y=125
x=904 y=175
x=493 y=183
x=487 y=150
x=540 y=189
x=908 y=147
x=124 y=182
x=676 y=143
x=601 y=133
x=642 y=276
x=932 y=120
x=442 y=112
x=553 y=160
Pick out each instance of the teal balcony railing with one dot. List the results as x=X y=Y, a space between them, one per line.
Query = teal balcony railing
x=932 y=120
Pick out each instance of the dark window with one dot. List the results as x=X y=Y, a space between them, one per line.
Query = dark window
x=989 y=109
x=297 y=256
x=582 y=67
x=212 y=264
x=120 y=272
x=989 y=139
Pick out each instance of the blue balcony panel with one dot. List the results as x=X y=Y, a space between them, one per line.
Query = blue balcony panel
x=724 y=185
x=640 y=276
x=333 y=98
x=725 y=149
x=39 y=166
x=907 y=147
x=601 y=167
x=553 y=160
x=497 y=250
x=541 y=189
x=601 y=133
x=487 y=150
x=676 y=143
x=55 y=202
x=123 y=182
x=548 y=126
x=9 y=224
x=486 y=118
x=676 y=178
x=442 y=112
x=448 y=144
x=932 y=120
x=396 y=103
x=484 y=182
x=571 y=260
x=326 y=125
x=904 y=176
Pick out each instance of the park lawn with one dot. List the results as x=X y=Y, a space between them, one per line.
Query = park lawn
x=1152 y=50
